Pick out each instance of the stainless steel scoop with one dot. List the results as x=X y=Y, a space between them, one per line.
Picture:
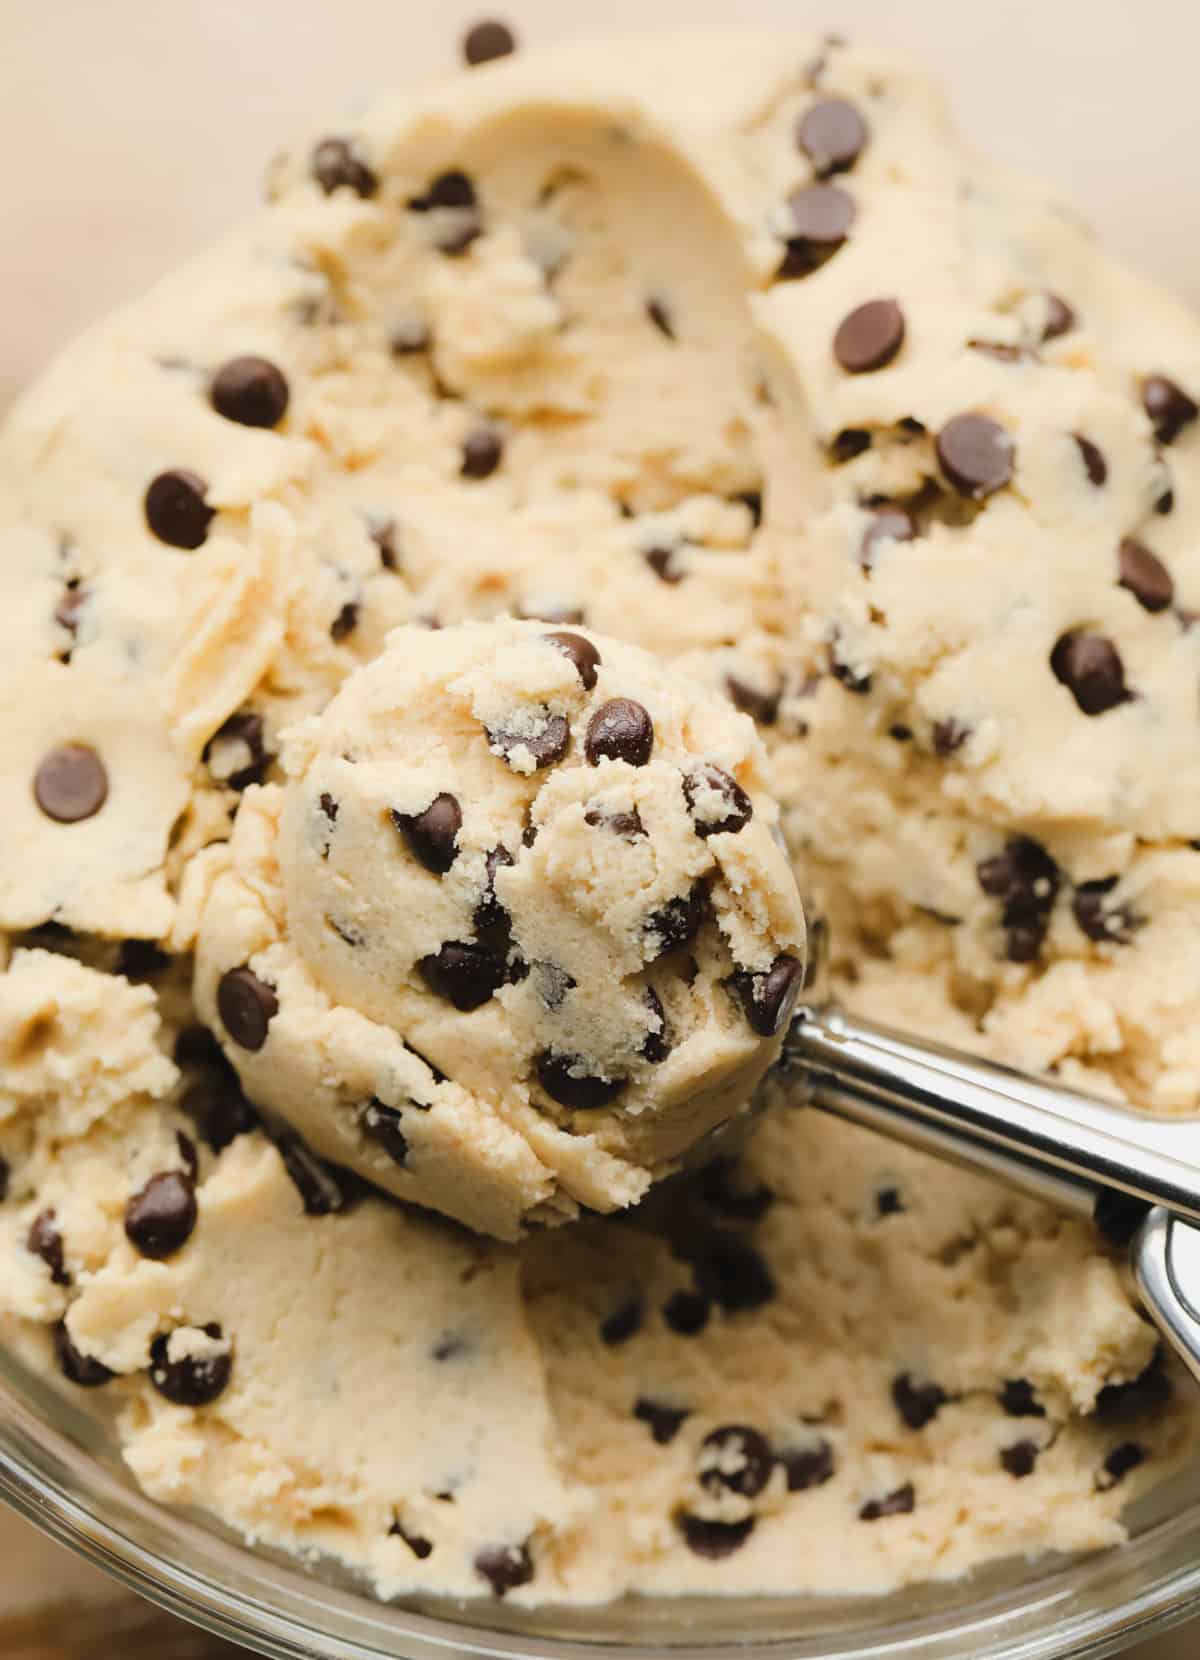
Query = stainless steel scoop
x=1138 y=1176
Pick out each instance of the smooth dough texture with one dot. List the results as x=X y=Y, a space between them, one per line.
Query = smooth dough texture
x=730 y=350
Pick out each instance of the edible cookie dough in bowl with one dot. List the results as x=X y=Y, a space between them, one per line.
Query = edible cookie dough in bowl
x=391 y=893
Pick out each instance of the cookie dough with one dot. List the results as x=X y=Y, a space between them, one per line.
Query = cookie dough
x=725 y=348
x=517 y=931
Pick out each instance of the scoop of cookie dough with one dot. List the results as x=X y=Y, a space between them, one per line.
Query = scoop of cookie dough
x=518 y=929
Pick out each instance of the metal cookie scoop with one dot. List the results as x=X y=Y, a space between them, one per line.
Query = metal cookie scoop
x=1055 y=1143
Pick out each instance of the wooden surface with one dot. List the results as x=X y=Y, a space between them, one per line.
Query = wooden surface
x=128 y=1629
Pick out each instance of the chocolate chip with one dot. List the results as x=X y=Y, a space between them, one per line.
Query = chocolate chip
x=336 y=165
x=818 y=222
x=900 y=1503
x=432 y=834
x=491 y=919
x=1168 y=406
x=1166 y=502
x=1120 y=1461
x=848 y=443
x=329 y=807
x=720 y=1191
x=453 y=189
x=727 y=1270
x=219 y=1110
x=1146 y=1394
x=949 y=736
x=420 y=1547
x=346 y=620
x=717 y=802
x=1094 y=463
x=78 y=1368
x=760 y=706
x=45 y=1241
x=662 y=562
x=832 y=135
x=159 y=1219
x=620 y=730
x=242 y=740
x=659 y=314
x=464 y=972
x=889 y=523
x=657 y=1044
x=624 y=1322
x=71 y=784
x=487 y=40
x=1118 y=1216
x=188 y=1154
x=686 y=1313
x=713 y=1540
x=192 y=1380
x=505 y=1567
x=1060 y=319
x=889 y=1203
x=769 y=998
x=674 y=924
x=1020 y=1459
x=1026 y=879
x=735 y=1459
x=852 y=676
x=141 y=960
x=176 y=509
x=547 y=744
x=663 y=1422
x=252 y=391
x=566 y=1080
x=1090 y=667
x=1103 y=922
x=482 y=451
x=582 y=654
x=382 y=1125
x=247 y=1006
x=5 y=1178
x=976 y=455
x=807 y=1467
x=1018 y=1400
x=869 y=337
x=325 y=1189
x=628 y=826
x=409 y=338
x=917 y=1403
x=1145 y=576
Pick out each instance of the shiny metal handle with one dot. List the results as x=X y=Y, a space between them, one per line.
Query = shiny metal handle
x=1054 y=1142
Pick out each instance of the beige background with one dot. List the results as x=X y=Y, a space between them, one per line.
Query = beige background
x=131 y=131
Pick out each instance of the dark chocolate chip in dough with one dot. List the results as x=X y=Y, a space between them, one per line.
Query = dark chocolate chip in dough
x=889 y=523
x=686 y=1313
x=329 y=807
x=192 y=1380
x=5 y=1178
x=949 y=736
x=219 y=1109
x=581 y=652
x=1100 y=920
x=1142 y=1396
x=889 y=1202
x=325 y=1189
x=1018 y=1399
x=159 y=1219
x=245 y=729
x=761 y=706
x=807 y=1467
x=768 y=998
x=1060 y=319
x=1120 y=1461
x=869 y=337
x=727 y=1270
x=628 y=826
x=247 y=1006
x=737 y=1459
x=713 y=1540
x=177 y=510
x=383 y=1125
x=852 y=676
x=624 y=1322
x=659 y=314
x=620 y=730
x=1092 y=456
x=832 y=135
x=657 y=1044
x=336 y=165
x=546 y=745
x=78 y=1368
x=453 y=189
x=662 y=562
x=917 y=1403
x=1169 y=407
x=976 y=455
x=1026 y=879
x=1020 y=1459
x=346 y=620
x=676 y=923
x=487 y=40
x=432 y=834
x=721 y=1192
x=1166 y=502
x=901 y=1502
x=817 y=223
x=848 y=443
x=482 y=452
x=1145 y=576
x=71 y=784
x=252 y=391
x=505 y=1567
x=729 y=812
x=45 y=1241
x=141 y=960
x=663 y=1422
x=464 y=972
x=491 y=919
x=1118 y=1216
x=420 y=1547
x=1090 y=667
x=410 y=337
x=565 y=1079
